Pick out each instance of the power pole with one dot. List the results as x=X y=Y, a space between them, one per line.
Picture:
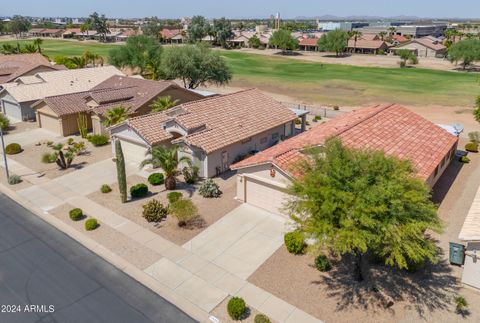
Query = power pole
x=4 y=155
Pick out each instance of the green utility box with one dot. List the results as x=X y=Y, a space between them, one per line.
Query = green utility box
x=457 y=253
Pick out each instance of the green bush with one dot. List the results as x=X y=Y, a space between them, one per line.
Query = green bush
x=209 y=189
x=98 y=140
x=48 y=158
x=236 y=308
x=317 y=118
x=91 y=224
x=14 y=179
x=174 y=197
x=4 y=122
x=190 y=174
x=474 y=136
x=76 y=214
x=472 y=147
x=261 y=318
x=13 y=149
x=322 y=263
x=70 y=141
x=464 y=159
x=154 y=211
x=294 y=241
x=156 y=179
x=460 y=303
x=184 y=211
x=298 y=121
x=139 y=190
x=105 y=188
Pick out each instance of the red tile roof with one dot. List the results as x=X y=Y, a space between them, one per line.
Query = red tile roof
x=170 y=33
x=13 y=66
x=401 y=39
x=390 y=128
x=369 y=44
x=308 y=42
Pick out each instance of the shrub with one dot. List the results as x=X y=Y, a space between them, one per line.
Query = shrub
x=322 y=263
x=13 y=149
x=184 y=211
x=464 y=159
x=174 y=197
x=76 y=214
x=294 y=241
x=156 y=179
x=336 y=108
x=460 y=303
x=261 y=318
x=105 y=188
x=236 y=308
x=139 y=190
x=4 y=122
x=403 y=64
x=14 y=179
x=474 y=136
x=70 y=141
x=48 y=158
x=298 y=121
x=209 y=189
x=472 y=147
x=190 y=174
x=98 y=140
x=154 y=211
x=91 y=224
x=317 y=118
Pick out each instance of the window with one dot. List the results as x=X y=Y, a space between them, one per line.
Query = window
x=263 y=140
x=275 y=136
x=246 y=140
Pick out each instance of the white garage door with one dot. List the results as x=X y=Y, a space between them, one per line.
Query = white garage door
x=12 y=110
x=265 y=196
x=50 y=123
x=133 y=153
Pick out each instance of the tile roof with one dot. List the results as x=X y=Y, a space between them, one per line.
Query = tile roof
x=117 y=90
x=217 y=122
x=363 y=43
x=391 y=128
x=13 y=66
x=430 y=43
x=170 y=33
x=150 y=127
x=308 y=42
x=60 y=82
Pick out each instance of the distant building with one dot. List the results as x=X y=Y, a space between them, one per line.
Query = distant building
x=414 y=31
x=425 y=47
x=347 y=26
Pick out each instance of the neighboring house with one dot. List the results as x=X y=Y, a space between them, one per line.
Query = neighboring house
x=172 y=36
x=263 y=179
x=14 y=66
x=78 y=34
x=214 y=132
x=308 y=44
x=364 y=46
x=18 y=97
x=126 y=33
x=239 y=41
x=60 y=113
x=425 y=47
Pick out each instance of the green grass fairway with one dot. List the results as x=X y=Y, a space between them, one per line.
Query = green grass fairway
x=352 y=85
x=54 y=48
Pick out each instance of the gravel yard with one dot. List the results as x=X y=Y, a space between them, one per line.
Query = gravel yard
x=16 y=187
x=220 y=312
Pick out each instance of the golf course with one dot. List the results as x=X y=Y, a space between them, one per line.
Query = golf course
x=324 y=83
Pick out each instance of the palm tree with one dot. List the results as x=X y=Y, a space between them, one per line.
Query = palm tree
x=29 y=48
x=356 y=35
x=382 y=35
x=38 y=43
x=163 y=103
x=391 y=30
x=115 y=115
x=166 y=159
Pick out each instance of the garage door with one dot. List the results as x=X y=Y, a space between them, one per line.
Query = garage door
x=12 y=110
x=50 y=123
x=265 y=196
x=133 y=153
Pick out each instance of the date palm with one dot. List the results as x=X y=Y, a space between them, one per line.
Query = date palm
x=355 y=34
x=166 y=159
x=38 y=43
x=382 y=35
x=115 y=116
x=163 y=103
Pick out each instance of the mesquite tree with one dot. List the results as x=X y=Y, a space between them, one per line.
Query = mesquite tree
x=121 y=174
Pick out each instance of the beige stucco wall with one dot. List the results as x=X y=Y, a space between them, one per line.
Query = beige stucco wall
x=422 y=51
x=447 y=159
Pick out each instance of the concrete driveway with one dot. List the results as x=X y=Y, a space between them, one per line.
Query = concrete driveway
x=31 y=136
x=241 y=241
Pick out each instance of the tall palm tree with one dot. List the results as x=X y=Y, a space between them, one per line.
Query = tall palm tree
x=391 y=31
x=166 y=159
x=115 y=115
x=38 y=43
x=163 y=103
x=356 y=35
x=382 y=35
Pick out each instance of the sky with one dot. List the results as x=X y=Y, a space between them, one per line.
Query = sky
x=241 y=8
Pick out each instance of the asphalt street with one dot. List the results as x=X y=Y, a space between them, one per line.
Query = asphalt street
x=45 y=276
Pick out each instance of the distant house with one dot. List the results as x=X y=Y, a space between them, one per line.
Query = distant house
x=425 y=47
x=59 y=113
x=263 y=179
x=240 y=40
x=46 y=32
x=78 y=34
x=367 y=46
x=308 y=44
x=17 y=98
x=14 y=66
x=126 y=33
x=172 y=36
x=214 y=132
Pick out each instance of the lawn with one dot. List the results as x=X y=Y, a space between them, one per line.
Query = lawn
x=351 y=85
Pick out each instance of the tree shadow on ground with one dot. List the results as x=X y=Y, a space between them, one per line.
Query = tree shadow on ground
x=428 y=289
x=344 y=55
x=445 y=182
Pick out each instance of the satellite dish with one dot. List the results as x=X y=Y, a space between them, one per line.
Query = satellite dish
x=458 y=128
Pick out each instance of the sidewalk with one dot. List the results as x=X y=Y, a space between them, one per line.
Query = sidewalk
x=184 y=275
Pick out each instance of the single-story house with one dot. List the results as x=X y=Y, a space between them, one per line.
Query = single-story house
x=16 y=65
x=214 y=132
x=78 y=34
x=173 y=36
x=366 y=46
x=59 y=113
x=239 y=41
x=425 y=47
x=17 y=98
x=263 y=179
x=308 y=44
x=46 y=32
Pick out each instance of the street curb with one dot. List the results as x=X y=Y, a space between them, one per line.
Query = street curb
x=183 y=304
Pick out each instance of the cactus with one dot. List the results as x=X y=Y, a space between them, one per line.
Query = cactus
x=82 y=125
x=121 y=175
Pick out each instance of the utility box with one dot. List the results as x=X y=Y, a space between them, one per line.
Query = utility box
x=457 y=253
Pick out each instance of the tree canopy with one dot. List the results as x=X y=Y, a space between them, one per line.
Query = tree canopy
x=223 y=31
x=196 y=65
x=359 y=201
x=197 y=29
x=99 y=24
x=140 y=52
x=152 y=28
x=19 y=25
x=284 y=40
x=465 y=51
x=254 y=42
x=334 y=41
